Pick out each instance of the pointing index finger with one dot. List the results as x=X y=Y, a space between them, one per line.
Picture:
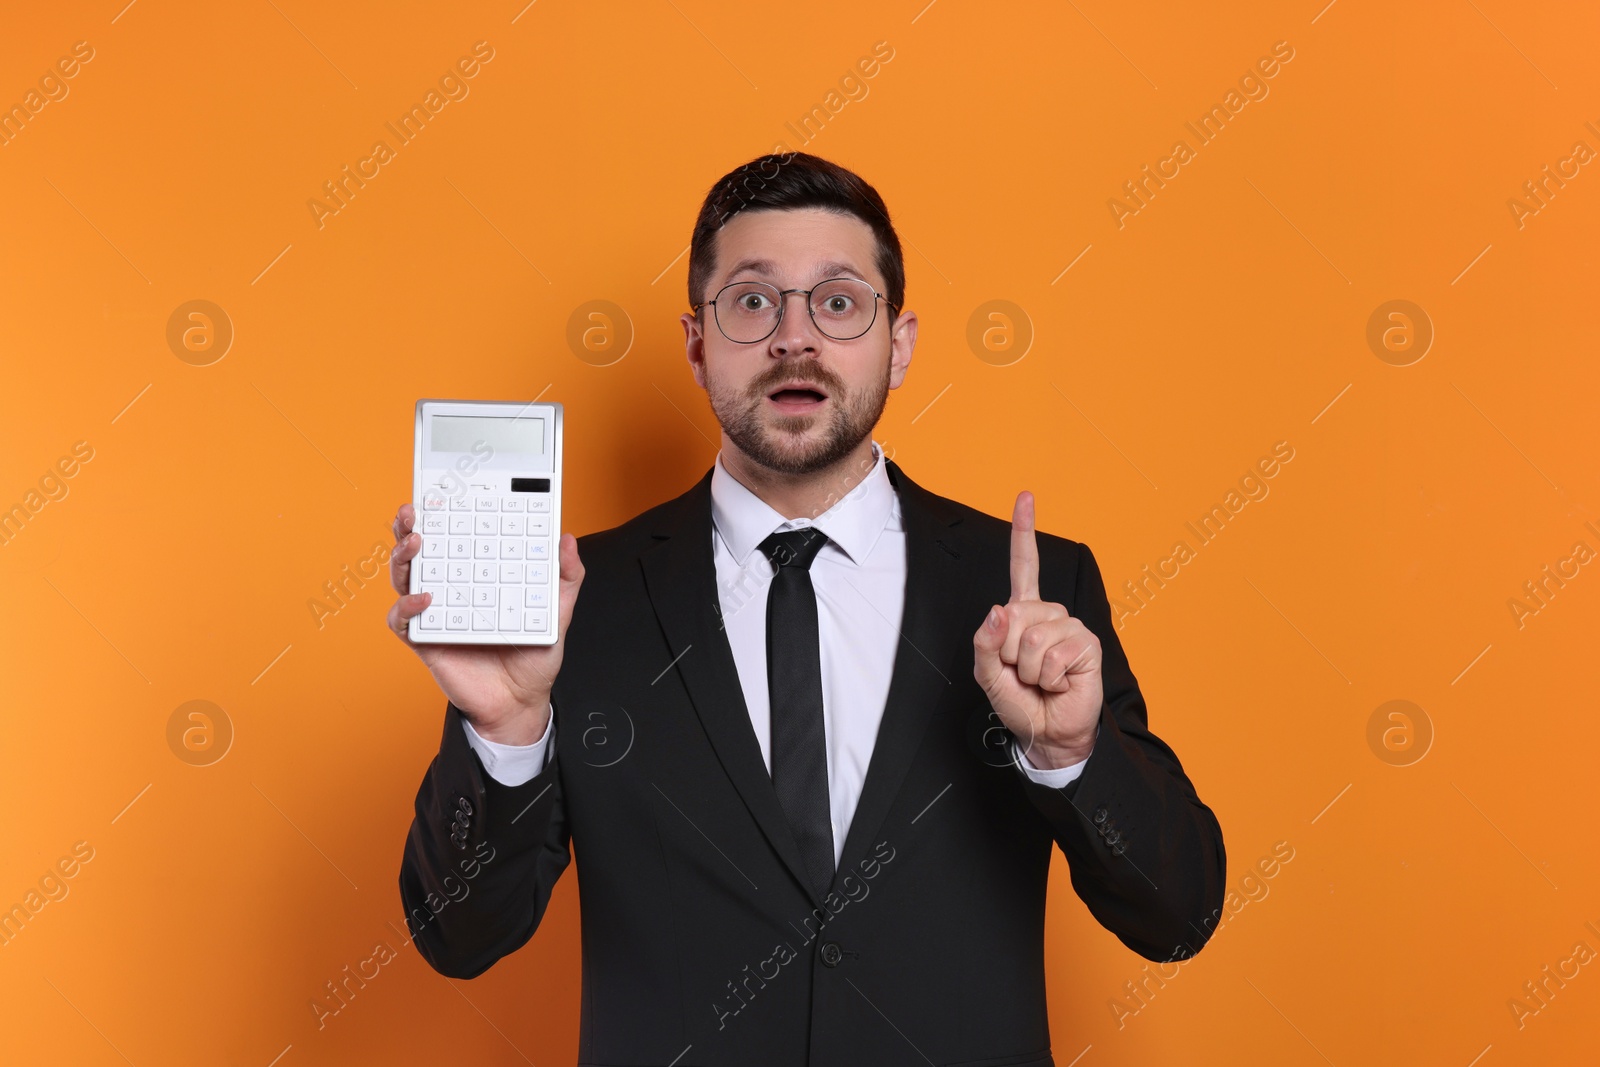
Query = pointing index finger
x=1024 y=550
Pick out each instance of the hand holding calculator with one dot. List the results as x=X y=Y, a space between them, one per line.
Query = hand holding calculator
x=487 y=492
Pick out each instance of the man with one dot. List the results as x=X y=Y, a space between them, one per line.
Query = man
x=811 y=729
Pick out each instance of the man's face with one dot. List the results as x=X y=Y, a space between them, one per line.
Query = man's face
x=798 y=431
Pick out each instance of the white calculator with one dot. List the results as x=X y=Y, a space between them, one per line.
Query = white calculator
x=488 y=506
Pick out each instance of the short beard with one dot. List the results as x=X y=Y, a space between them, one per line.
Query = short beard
x=850 y=420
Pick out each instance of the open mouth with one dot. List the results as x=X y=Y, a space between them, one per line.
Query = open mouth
x=797 y=397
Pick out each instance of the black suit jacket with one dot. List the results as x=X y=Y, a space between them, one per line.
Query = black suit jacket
x=701 y=942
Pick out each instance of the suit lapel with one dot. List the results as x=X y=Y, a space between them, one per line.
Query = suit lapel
x=927 y=659
x=680 y=577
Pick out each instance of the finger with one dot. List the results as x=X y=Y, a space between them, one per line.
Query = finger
x=404 y=520
x=1025 y=613
x=571 y=578
x=405 y=550
x=1065 y=663
x=402 y=611
x=1024 y=550
x=1042 y=640
x=987 y=666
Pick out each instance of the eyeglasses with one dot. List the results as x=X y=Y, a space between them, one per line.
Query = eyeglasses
x=841 y=308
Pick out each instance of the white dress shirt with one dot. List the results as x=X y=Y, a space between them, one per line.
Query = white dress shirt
x=859 y=576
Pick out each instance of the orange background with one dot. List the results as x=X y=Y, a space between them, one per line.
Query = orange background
x=1228 y=314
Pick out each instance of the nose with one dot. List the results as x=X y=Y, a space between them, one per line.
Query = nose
x=796 y=333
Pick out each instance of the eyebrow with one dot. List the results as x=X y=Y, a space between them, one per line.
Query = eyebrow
x=828 y=269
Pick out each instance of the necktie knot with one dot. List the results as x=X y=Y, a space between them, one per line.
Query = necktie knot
x=794 y=548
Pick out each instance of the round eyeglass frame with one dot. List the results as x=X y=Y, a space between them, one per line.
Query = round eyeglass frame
x=783 y=304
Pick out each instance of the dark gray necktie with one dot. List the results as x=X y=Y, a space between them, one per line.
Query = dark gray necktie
x=794 y=684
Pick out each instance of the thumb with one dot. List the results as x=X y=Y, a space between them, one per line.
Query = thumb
x=572 y=572
x=986 y=663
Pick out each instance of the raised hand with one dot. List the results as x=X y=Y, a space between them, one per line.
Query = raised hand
x=503 y=690
x=1039 y=666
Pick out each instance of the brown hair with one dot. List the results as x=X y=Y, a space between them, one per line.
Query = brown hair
x=793 y=180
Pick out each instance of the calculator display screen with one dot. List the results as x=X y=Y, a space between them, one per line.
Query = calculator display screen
x=458 y=433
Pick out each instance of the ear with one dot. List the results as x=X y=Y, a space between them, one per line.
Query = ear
x=694 y=347
x=902 y=341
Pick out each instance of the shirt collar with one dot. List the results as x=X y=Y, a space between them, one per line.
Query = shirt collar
x=853 y=522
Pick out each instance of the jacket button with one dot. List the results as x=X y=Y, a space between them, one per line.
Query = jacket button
x=1113 y=837
x=831 y=954
x=464 y=805
x=1100 y=815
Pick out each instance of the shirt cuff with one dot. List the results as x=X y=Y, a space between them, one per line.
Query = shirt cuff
x=1056 y=777
x=512 y=764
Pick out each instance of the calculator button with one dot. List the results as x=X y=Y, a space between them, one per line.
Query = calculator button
x=484 y=573
x=483 y=618
x=432 y=619
x=539 y=504
x=458 y=572
x=538 y=525
x=511 y=503
x=539 y=548
x=485 y=526
x=433 y=502
x=536 y=621
x=433 y=571
x=433 y=548
x=539 y=572
x=511 y=526
x=460 y=525
x=456 y=596
x=460 y=503
x=537 y=596
x=455 y=618
x=511 y=549
x=433 y=522
x=487 y=503
x=510 y=572
x=459 y=548
x=438 y=595
x=510 y=613
x=483 y=596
